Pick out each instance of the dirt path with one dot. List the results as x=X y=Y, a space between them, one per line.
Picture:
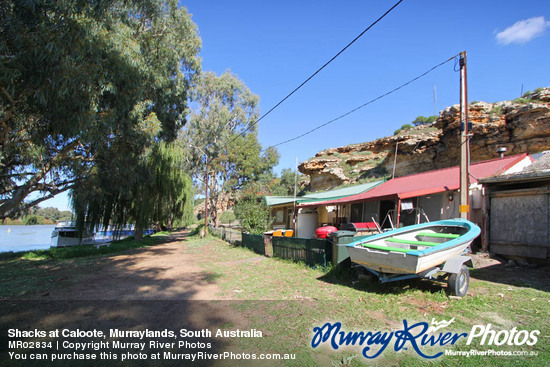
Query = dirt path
x=170 y=271
x=157 y=288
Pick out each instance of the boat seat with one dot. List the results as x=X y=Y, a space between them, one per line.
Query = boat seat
x=412 y=242
x=438 y=235
x=386 y=248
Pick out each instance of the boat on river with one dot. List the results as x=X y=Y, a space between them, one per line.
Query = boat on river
x=65 y=234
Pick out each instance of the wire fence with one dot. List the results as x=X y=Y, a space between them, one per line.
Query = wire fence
x=231 y=235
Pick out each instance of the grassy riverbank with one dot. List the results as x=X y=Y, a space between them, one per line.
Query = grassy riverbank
x=86 y=250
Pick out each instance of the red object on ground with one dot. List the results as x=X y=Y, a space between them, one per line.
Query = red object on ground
x=323 y=232
x=366 y=226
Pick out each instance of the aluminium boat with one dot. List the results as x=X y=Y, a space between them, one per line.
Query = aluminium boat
x=414 y=249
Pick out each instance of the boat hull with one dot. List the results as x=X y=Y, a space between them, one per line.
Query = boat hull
x=407 y=255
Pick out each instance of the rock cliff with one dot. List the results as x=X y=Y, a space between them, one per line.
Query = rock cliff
x=520 y=126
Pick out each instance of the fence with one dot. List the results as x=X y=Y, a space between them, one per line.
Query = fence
x=311 y=251
x=254 y=242
x=227 y=234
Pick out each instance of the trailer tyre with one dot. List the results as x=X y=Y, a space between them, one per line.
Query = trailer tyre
x=458 y=283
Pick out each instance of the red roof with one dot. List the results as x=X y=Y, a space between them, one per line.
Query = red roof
x=431 y=182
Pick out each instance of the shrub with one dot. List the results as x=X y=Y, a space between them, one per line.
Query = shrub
x=33 y=220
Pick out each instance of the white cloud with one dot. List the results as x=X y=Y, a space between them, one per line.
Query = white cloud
x=523 y=31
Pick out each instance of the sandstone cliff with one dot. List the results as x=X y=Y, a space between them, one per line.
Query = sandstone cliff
x=521 y=126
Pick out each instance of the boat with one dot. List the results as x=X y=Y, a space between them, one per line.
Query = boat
x=65 y=234
x=416 y=248
x=118 y=233
x=419 y=251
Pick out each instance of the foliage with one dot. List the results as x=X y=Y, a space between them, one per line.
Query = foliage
x=33 y=220
x=284 y=186
x=252 y=215
x=53 y=214
x=422 y=120
x=403 y=127
x=497 y=110
x=221 y=140
x=82 y=82
x=155 y=190
x=522 y=100
x=228 y=216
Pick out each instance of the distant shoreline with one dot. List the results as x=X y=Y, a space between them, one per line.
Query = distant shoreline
x=23 y=224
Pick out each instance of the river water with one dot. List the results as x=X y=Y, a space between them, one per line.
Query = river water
x=24 y=238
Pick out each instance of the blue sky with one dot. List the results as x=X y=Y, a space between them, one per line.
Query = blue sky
x=273 y=46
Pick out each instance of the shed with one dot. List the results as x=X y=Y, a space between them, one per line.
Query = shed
x=431 y=194
x=282 y=207
x=519 y=211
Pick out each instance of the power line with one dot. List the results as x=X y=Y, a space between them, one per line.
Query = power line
x=366 y=104
x=317 y=72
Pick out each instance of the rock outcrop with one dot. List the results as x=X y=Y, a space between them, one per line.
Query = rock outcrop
x=520 y=126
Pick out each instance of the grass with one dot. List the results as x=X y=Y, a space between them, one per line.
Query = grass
x=286 y=300
x=71 y=252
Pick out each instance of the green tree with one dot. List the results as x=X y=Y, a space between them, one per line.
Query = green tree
x=82 y=82
x=423 y=120
x=222 y=140
x=31 y=220
x=252 y=214
x=284 y=186
x=158 y=190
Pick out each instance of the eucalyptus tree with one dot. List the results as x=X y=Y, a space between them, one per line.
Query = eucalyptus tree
x=86 y=89
x=222 y=139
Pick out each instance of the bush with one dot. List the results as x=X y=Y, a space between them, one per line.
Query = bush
x=227 y=217
x=403 y=127
x=30 y=220
x=253 y=216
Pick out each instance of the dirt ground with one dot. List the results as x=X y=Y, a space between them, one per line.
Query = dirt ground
x=157 y=288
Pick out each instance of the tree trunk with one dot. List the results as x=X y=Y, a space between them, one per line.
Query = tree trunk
x=138 y=230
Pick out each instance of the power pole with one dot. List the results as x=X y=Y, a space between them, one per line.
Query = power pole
x=464 y=207
x=206 y=201
x=294 y=209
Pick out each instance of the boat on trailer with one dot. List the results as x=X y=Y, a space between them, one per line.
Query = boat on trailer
x=423 y=250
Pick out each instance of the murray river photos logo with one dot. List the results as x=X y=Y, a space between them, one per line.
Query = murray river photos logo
x=419 y=337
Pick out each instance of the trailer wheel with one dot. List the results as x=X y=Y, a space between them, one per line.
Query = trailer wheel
x=458 y=283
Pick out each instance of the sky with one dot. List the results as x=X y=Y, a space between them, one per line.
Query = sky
x=274 y=46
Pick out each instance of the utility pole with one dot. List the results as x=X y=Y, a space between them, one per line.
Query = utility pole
x=464 y=207
x=206 y=201
x=294 y=209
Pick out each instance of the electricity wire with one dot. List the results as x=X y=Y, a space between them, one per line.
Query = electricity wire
x=366 y=104
x=316 y=72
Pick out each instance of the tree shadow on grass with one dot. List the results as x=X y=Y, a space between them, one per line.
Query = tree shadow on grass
x=536 y=278
x=362 y=280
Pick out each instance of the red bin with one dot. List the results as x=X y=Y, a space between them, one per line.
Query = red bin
x=323 y=232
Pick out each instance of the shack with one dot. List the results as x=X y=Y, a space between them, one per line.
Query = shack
x=283 y=209
x=519 y=211
x=427 y=196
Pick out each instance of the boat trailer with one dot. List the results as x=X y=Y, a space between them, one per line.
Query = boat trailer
x=455 y=270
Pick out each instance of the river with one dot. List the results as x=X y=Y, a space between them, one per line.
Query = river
x=24 y=238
